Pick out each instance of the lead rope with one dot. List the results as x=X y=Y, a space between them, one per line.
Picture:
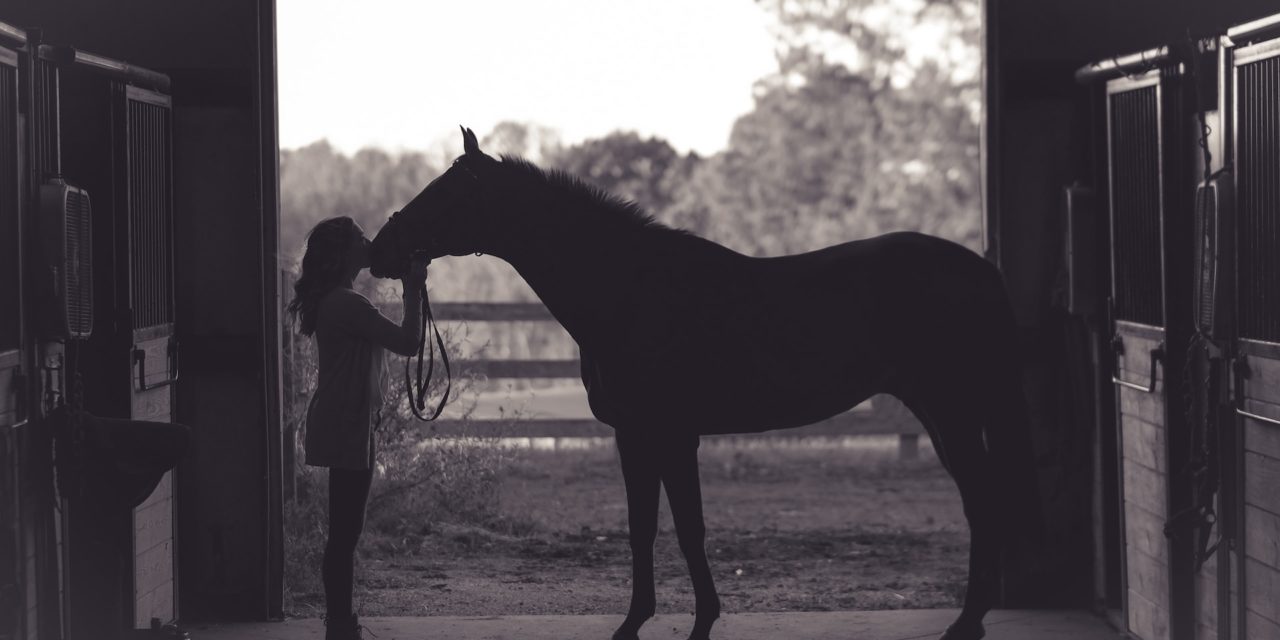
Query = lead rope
x=427 y=351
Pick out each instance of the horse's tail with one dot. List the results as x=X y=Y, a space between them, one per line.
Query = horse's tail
x=1008 y=431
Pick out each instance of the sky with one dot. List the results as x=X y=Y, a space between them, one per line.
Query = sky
x=403 y=74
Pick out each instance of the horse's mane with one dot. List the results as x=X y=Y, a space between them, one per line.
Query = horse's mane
x=585 y=200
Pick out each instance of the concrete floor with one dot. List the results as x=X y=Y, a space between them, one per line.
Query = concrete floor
x=924 y=624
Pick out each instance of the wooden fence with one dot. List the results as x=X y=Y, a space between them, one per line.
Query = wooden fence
x=893 y=420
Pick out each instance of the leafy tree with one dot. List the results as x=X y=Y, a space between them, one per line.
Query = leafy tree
x=626 y=165
x=851 y=137
x=528 y=140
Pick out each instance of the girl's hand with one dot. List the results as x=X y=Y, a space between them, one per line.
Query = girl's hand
x=416 y=275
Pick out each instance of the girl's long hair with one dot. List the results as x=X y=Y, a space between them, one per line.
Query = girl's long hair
x=323 y=266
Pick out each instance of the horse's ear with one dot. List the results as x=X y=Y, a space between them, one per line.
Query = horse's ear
x=469 y=143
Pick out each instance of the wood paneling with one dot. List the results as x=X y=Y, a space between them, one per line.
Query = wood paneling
x=1144 y=475
x=153 y=404
x=1149 y=576
x=1262 y=535
x=1260 y=436
x=153 y=568
x=1262 y=583
x=152 y=525
x=1144 y=443
x=1260 y=389
x=1257 y=627
x=157 y=361
x=1148 y=407
x=1146 y=620
x=1263 y=380
x=1262 y=481
x=1145 y=487
x=157 y=603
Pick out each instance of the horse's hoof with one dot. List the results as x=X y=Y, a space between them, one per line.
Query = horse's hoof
x=627 y=632
x=964 y=631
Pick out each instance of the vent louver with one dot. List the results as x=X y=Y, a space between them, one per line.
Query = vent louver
x=1258 y=197
x=67 y=232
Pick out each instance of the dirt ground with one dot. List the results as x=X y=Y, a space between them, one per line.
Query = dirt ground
x=790 y=528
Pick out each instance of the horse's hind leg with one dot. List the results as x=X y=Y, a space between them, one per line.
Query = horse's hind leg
x=641 y=476
x=684 y=494
x=956 y=430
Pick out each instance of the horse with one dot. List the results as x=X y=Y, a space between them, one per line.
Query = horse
x=681 y=337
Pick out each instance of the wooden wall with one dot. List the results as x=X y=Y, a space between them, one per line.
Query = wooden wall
x=154 y=542
x=1260 y=391
x=220 y=57
x=1145 y=471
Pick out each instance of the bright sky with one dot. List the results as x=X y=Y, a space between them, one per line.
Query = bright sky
x=403 y=74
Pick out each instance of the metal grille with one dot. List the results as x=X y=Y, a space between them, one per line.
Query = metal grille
x=47 y=118
x=150 y=215
x=1258 y=184
x=79 y=271
x=1135 y=200
x=10 y=304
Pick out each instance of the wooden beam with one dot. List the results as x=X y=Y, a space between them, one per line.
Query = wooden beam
x=521 y=369
x=852 y=423
x=492 y=311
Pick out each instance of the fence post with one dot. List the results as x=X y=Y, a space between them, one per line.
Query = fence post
x=908 y=446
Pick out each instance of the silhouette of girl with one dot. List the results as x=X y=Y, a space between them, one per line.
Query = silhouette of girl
x=350 y=336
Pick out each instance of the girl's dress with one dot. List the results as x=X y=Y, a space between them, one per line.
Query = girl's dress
x=351 y=335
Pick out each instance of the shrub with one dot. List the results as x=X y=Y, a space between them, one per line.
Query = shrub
x=420 y=479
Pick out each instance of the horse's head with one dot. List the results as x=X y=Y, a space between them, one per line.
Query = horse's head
x=447 y=218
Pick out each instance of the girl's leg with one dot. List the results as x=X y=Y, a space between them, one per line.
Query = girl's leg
x=348 y=495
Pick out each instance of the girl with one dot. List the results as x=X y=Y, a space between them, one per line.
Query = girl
x=350 y=336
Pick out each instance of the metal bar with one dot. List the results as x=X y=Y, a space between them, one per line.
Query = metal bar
x=13 y=34
x=1139 y=62
x=117 y=69
x=1254 y=416
x=140 y=358
x=1156 y=355
x=1255 y=29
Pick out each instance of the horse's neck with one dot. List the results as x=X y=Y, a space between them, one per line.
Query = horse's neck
x=575 y=271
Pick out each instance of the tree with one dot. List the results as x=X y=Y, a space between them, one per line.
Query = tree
x=626 y=165
x=853 y=136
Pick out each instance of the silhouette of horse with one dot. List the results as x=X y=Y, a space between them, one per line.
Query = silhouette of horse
x=681 y=337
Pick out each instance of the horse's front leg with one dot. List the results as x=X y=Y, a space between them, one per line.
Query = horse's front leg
x=641 y=476
x=684 y=494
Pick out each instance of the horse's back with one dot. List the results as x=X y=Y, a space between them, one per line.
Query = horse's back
x=747 y=344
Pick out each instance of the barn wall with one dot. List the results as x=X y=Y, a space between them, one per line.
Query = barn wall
x=1261 y=391
x=1041 y=133
x=224 y=497
x=1145 y=467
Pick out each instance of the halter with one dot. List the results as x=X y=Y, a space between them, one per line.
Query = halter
x=417 y=389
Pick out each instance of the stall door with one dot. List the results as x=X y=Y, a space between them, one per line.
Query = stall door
x=1256 y=79
x=17 y=610
x=143 y=179
x=1142 y=110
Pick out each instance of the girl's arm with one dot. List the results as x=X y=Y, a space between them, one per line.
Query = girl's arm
x=366 y=321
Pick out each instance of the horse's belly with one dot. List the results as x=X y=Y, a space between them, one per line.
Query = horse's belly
x=749 y=388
